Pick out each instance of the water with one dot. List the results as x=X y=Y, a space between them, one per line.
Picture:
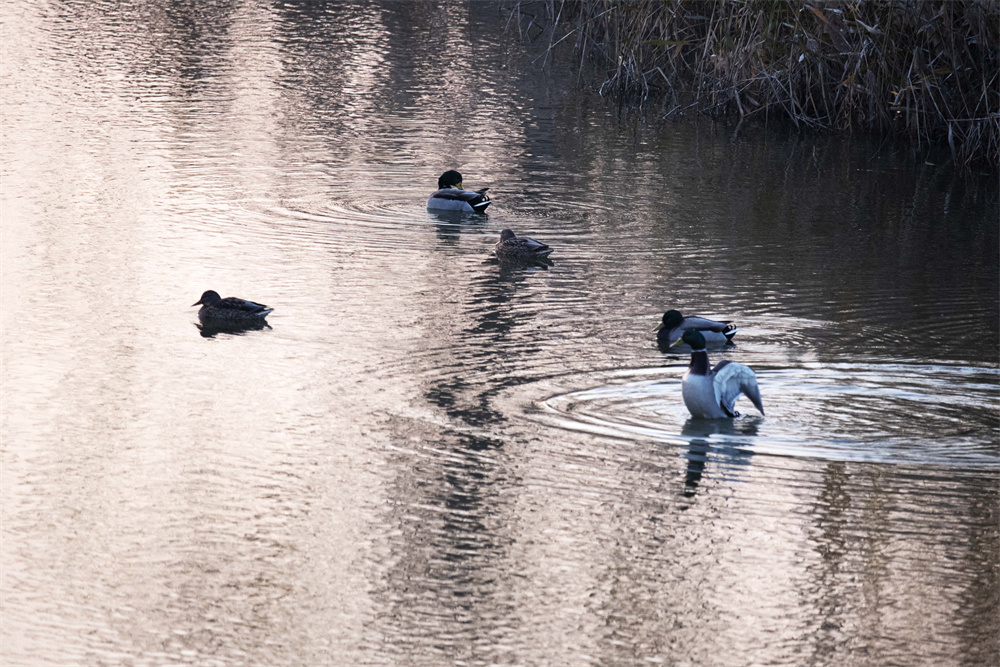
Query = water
x=432 y=459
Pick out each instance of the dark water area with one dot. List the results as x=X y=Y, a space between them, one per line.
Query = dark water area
x=428 y=457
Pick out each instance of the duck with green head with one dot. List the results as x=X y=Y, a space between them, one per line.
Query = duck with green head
x=711 y=393
x=674 y=325
x=450 y=195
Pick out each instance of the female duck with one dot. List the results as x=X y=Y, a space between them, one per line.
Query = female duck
x=451 y=197
x=231 y=310
x=674 y=325
x=711 y=393
x=519 y=248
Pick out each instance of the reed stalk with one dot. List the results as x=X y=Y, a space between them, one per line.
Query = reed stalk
x=925 y=69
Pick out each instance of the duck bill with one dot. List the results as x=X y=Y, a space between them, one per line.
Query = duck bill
x=197 y=303
x=658 y=328
x=677 y=342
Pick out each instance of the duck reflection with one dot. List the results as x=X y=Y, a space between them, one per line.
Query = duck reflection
x=511 y=268
x=452 y=516
x=213 y=329
x=468 y=396
x=450 y=224
x=734 y=453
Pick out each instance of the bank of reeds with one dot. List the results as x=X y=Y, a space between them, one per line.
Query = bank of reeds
x=926 y=69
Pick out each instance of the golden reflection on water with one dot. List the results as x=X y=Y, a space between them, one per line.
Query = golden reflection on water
x=374 y=479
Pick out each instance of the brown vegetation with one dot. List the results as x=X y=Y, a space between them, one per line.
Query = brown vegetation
x=927 y=69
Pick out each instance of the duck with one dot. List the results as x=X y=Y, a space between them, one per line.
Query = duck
x=231 y=310
x=520 y=248
x=451 y=197
x=674 y=325
x=711 y=393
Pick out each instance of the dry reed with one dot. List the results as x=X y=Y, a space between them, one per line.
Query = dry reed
x=926 y=69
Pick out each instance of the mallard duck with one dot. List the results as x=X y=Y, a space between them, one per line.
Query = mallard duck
x=674 y=325
x=519 y=248
x=451 y=197
x=711 y=393
x=231 y=310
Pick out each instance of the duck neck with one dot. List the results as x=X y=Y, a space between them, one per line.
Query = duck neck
x=699 y=362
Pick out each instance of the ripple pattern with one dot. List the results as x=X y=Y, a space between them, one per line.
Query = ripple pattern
x=883 y=413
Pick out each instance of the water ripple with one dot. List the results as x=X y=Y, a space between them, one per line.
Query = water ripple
x=883 y=412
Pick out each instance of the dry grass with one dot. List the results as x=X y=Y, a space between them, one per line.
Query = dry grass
x=926 y=69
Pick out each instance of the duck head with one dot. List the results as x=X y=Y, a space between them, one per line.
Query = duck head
x=671 y=320
x=507 y=235
x=693 y=338
x=450 y=179
x=208 y=298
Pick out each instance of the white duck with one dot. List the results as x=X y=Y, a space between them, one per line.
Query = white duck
x=711 y=393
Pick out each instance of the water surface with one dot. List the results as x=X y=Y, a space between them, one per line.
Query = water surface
x=430 y=458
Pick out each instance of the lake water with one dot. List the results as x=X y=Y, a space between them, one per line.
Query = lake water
x=433 y=459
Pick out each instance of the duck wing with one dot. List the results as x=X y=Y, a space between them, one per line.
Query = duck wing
x=470 y=197
x=704 y=324
x=242 y=305
x=455 y=194
x=731 y=379
x=535 y=247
